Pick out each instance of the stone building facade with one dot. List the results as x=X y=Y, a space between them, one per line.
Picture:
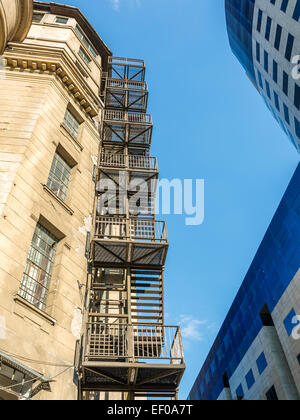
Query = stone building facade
x=49 y=143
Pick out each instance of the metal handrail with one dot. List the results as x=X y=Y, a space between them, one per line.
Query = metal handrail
x=132 y=117
x=136 y=343
x=126 y=84
x=127 y=61
x=116 y=160
x=134 y=229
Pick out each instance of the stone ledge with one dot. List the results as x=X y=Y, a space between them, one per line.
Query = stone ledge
x=69 y=135
x=21 y=301
x=64 y=205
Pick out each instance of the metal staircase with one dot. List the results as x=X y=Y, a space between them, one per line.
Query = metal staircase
x=125 y=346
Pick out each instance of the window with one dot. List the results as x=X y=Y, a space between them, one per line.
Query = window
x=288 y=322
x=297 y=97
x=61 y=20
x=261 y=363
x=240 y=393
x=266 y=62
x=276 y=98
x=37 y=275
x=271 y=395
x=278 y=37
x=286 y=113
x=296 y=13
x=86 y=42
x=250 y=379
x=37 y=17
x=259 y=20
x=297 y=127
x=289 y=47
x=59 y=177
x=268 y=28
x=275 y=71
x=71 y=124
x=260 y=79
x=257 y=52
x=268 y=89
x=285 y=83
x=84 y=56
x=284 y=5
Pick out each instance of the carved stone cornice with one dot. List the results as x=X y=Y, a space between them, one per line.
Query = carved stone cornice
x=53 y=62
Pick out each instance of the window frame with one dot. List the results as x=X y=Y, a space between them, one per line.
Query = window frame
x=39 y=263
x=74 y=132
x=35 y=14
x=62 y=18
x=53 y=178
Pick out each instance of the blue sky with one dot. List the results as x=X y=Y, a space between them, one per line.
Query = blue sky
x=209 y=123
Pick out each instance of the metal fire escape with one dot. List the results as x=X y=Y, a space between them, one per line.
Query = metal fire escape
x=125 y=346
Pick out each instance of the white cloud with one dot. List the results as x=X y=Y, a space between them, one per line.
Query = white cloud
x=117 y=3
x=192 y=329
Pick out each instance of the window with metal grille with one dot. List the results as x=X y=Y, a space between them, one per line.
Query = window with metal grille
x=84 y=56
x=59 y=177
x=71 y=124
x=86 y=42
x=37 y=275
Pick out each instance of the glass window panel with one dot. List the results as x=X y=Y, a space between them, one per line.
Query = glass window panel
x=59 y=177
x=36 y=277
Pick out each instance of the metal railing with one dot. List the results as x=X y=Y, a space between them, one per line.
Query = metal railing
x=106 y=341
x=126 y=84
x=135 y=229
x=110 y=160
x=136 y=343
x=126 y=61
x=132 y=117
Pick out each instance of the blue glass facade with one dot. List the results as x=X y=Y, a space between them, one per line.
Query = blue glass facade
x=272 y=270
x=239 y=17
x=264 y=38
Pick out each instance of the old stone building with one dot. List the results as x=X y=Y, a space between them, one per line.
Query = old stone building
x=49 y=141
x=15 y=21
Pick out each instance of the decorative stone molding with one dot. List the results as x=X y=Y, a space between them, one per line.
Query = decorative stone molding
x=48 y=66
x=15 y=21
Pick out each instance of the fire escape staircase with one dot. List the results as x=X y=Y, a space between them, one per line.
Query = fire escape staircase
x=125 y=346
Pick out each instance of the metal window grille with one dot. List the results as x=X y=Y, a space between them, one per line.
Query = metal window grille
x=84 y=56
x=86 y=42
x=59 y=177
x=71 y=124
x=36 y=278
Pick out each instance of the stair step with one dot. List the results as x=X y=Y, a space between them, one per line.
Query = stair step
x=146 y=284
x=148 y=292
x=146 y=311
x=133 y=297
x=142 y=272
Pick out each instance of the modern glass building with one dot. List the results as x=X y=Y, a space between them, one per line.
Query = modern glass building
x=265 y=37
x=256 y=354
